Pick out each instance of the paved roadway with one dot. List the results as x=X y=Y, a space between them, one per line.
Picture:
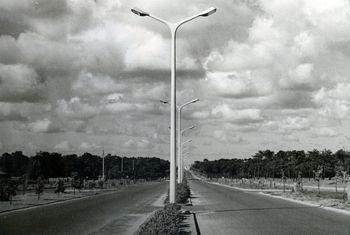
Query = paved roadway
x=221 y=210
x=119 y=212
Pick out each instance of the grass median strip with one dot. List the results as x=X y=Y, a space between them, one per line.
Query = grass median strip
x=167 y=220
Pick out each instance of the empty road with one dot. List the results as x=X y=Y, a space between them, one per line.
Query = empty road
x=221 y=210
x=119 y=212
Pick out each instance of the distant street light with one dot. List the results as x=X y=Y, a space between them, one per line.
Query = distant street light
x=181 y=161
x=173 y=27
x=179 y=138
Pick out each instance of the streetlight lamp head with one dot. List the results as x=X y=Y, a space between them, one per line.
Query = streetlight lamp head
x=208 y=12
x=139 y=12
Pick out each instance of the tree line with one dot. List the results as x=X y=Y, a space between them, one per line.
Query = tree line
x=87 y=166
x=268 y=164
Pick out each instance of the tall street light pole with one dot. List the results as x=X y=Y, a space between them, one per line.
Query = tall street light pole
x=173 y=27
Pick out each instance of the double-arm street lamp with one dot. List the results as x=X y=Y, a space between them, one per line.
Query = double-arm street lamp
x=173 y=27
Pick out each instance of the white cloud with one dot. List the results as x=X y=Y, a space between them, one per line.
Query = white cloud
x=238 y=85
x=64 y=146
x=20 y=83
x=139 y=144
x=89 y=84
x=335 y=102
x=324 y=132
x=43 y=126
x=75 y=109
x=299 y=78
x=239 y=116
x=84 y=146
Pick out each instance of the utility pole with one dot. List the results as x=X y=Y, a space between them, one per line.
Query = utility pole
x=122 y=165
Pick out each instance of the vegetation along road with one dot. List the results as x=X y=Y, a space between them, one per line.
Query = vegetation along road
x=119 y=212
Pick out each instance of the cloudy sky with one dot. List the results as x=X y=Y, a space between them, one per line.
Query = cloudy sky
x=84 y=75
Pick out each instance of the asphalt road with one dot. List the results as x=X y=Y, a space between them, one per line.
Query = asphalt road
x=119 y=212
x=221 y=210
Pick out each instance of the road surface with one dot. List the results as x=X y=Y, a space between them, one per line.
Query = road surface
x=119 y=212
x=221 y=210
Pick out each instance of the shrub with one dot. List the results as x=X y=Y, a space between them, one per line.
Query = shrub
x=183 y=192
x=7 y=190
x=164 y=221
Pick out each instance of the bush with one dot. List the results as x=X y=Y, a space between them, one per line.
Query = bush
x=183 y=192
x=164 y=221
x=7 y=189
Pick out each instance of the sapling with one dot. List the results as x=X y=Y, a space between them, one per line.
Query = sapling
x=39 y=187
x=284 y=178
x=318 y=174
x=60 y=188
x=346 y=179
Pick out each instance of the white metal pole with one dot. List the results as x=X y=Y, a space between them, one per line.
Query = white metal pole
x=179 y=141
x=173 y=116
x=103 y=165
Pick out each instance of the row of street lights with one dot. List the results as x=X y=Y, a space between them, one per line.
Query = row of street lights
x=173 y=27
x=180 y=132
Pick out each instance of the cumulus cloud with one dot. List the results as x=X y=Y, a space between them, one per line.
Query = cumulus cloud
x=75 y=109
x=94 y=67
x=138 y=144
x=238 y=84
x=20 y=83
x=324 y=132
x=239 y=116
x=89 y=84
x=85 y=146
x=43 y=126
x=334 y=102
x=225 y=137
x=63 y=146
